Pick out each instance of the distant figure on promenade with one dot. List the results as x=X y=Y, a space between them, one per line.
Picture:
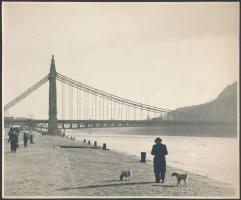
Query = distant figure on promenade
x=159 y=151
x=25 y=139
x=16 y=130
x=11 y=138
x=16 y=134
x=10 y=134
x=31 y=138
x=13 y=142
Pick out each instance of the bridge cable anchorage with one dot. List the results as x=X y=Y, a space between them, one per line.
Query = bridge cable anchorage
x=109 y=96
x=26 y=93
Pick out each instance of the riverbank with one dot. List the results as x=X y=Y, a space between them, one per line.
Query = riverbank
x=45 y=169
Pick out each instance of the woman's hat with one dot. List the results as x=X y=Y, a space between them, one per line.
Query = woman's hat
x=158 y=139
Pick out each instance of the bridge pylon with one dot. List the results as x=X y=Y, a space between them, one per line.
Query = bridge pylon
x=52 y=122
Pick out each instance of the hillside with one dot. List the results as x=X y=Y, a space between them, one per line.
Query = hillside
x=223 y=108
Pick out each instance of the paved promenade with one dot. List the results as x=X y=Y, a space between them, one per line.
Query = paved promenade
x=44 y=169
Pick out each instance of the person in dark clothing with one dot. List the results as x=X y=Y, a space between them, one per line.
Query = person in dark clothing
x=159 y=151
x=31 y=139
x=10 y=134
x=11 y=138
x=25 y=139
x=16 y=130
x=16 y=134
x=14 y=143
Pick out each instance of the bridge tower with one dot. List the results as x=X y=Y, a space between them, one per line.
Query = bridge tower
x=52 y=122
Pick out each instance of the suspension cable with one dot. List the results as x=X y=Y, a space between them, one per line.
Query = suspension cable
x=26 y=93
x=109 y=96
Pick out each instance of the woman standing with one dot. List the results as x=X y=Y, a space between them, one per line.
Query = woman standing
x=159 y=151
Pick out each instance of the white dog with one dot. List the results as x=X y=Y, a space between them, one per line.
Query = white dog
x=126 y=173
x=181 y=177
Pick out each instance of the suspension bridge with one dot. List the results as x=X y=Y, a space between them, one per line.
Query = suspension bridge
x=94 y=108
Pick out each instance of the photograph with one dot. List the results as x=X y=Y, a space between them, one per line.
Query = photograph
x=120 y=100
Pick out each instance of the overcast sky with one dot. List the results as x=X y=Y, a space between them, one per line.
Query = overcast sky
x=167 y=54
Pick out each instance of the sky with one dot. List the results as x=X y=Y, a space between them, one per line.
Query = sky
x=166 y=54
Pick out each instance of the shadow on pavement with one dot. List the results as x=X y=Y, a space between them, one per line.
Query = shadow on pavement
x=107 y=185
x=165 y=185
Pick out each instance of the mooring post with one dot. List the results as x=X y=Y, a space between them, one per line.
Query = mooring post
x=95 y=143
x=143 y=156
x=104 y=146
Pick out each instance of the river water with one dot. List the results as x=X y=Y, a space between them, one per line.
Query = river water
x=214 y=157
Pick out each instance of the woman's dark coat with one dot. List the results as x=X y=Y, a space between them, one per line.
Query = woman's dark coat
x=159 y=151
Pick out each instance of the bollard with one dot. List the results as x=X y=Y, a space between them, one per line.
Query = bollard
x=89 y=142
x=143 y=156
x=104 y=146
x=84 y=140
x=95 y=143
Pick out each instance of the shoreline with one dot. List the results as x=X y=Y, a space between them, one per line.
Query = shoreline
x=118 y=141
x=74 y=172
x=150 y=162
